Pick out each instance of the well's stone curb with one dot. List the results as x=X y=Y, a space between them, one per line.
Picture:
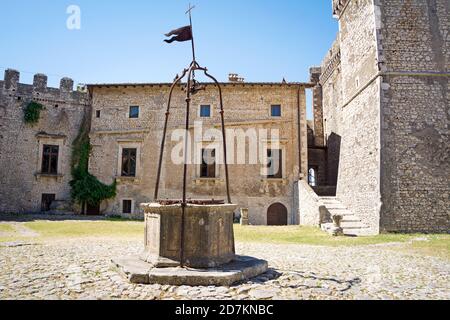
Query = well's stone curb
x=140 y=272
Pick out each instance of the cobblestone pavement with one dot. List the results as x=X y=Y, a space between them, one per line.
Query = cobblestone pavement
x=81 y=269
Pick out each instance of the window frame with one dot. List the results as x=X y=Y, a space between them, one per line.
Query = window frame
x=53 y=159
x=272 y=106
x=129 y=175
x=133 y=116
x=209 y=169
x=201 y=109
x=279 y=174
x=122 y=206
x=47 y=195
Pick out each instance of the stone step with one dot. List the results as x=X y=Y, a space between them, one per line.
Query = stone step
x=352 y=224
x=326 y=226
x=328 y=198
x=358 y=232
x=328 y=202
x=355 y=231
x=342 y=212
x=335 y=206
x=351 y=218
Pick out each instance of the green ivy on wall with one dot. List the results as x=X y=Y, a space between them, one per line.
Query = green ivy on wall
x=86 y=188
x=32 y=112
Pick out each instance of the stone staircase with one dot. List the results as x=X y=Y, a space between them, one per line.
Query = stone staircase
x=351 y=224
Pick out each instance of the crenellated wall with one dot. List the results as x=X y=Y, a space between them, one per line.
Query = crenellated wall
x=21 y=144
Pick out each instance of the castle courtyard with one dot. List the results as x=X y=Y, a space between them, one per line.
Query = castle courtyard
x=59 y=258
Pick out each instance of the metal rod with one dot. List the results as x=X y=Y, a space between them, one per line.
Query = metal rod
x=186 y=146
x=161 y=154
x=223 y=133
x=192 y=35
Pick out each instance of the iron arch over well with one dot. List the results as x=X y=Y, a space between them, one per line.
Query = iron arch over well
x=277 y=215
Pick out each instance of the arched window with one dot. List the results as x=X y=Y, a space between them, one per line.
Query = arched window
x=312 y=178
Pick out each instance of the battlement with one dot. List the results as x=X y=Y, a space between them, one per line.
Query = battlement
x=339 y=7
x=314 y=74
x=39 y=91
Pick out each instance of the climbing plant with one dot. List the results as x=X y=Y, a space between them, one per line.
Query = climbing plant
x=32 y=112
x=86 y=188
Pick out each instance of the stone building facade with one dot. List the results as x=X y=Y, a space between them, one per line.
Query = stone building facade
x=130 y=118
x=385 y=106
x=376 y=151
x=248 y=111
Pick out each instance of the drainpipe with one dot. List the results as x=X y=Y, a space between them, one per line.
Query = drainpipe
x=299 y=138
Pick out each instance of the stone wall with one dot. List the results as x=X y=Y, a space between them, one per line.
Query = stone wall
x=310 y=206
x=332 y=101
x=351 y=112
x=247 y=106
x=21 y=181
x=415 y=55
x=386 y=112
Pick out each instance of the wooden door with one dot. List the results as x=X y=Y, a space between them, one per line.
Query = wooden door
x=277 y=215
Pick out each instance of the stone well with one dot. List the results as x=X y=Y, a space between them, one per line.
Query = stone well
x=197 y=250
x=208 y=237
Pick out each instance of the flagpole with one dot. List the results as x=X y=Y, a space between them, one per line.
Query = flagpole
x=192 y=32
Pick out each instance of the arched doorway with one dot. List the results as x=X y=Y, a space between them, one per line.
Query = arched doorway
x=277 y=215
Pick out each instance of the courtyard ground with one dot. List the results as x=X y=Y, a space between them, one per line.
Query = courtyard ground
x=69 y=258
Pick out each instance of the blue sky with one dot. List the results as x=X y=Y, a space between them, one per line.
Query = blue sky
x=122 y=41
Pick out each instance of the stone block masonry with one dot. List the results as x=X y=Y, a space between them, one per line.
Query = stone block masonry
x=22 y=182
x=247 y=107
x=386 y=113
x=25 y=187
x=415 y=56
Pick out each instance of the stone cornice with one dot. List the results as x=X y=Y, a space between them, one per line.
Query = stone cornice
x=334 y=62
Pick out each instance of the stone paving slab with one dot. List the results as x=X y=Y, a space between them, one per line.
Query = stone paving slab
x=241 y=269
x=82 y=269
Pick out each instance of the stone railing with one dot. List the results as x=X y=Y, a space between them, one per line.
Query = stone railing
x=312 y=210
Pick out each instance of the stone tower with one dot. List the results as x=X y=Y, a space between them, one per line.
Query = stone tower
x=386 y=112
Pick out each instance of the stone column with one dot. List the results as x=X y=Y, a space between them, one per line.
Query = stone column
x=244 y=217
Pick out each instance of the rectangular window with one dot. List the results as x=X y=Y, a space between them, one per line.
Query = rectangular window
x=46 y=201
x=275 y=111
x=127 y=206
x=134 y=112
x=129 y=162
x=50 y=159
x=274 y=164
x=205 y=111
x=208 y=166
x=97 y=113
